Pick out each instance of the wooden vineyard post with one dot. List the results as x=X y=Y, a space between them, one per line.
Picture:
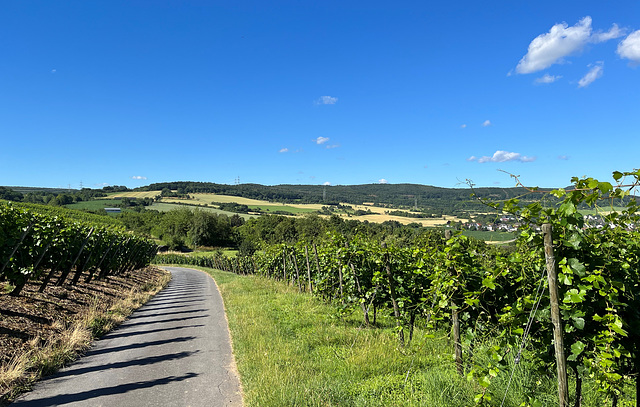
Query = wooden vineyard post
x=558 y=342
x=456 y=338
x=362 y=303
x=365 y=310
x=15 y=249
x=295 y=265
x=455 y=321
x=306 y=255
x=284 y=264
x=94 y=269
x=392 y=290
x=53 y=270
x=340 y=281
x=315 y=252
x=18 y=288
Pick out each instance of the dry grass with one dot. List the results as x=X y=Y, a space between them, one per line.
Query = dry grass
x=209 y=198
x=44 y=356
x=379 y=218
x=133 y=194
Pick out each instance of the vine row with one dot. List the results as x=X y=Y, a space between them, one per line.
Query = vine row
x=35 y=246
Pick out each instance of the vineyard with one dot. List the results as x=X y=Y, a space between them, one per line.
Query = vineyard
x=482 y=294
x=55 y=246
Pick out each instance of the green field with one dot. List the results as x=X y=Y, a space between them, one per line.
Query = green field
x=96 y=204
x=166 y=207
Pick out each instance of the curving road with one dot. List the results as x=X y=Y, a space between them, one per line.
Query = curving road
x=173 y=351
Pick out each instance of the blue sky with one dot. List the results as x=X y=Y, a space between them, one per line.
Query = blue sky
x=300 y=92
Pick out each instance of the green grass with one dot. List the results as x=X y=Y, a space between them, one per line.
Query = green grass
x=293 y=350
x=95 y=204
x=210 y=253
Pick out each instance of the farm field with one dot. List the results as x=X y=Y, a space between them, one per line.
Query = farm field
x=166 y=207
x=377 y=216
x=255 y=204
x=381 y=217
x=210 y=198
x=133 y=194
x=282 y=208
x=95 y=204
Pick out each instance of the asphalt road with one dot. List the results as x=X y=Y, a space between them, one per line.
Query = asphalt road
x=173 y=351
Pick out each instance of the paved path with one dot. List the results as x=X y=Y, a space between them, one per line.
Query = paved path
x=174 y=351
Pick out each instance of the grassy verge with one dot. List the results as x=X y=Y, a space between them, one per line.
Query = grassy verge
x=44 y=357
x=293 y=350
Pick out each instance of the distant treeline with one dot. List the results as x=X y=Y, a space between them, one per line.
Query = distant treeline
x=56 y=197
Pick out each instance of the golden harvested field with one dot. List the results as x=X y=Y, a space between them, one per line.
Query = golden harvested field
x=315 y=207
x=133 y=194
x=379 y=218
x=374 y=209
x=209 y=198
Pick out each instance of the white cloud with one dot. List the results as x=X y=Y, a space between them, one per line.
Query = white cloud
x=563 y=157
x=321 y=140
x=629 y=48
x=594 y=73
x=54 y=70
x=502 y=156
x=463 y=126
x=486 y=123
x=548 y=78
x=333 y=146
x=102 y=184
x=560 y=42
x=614 y=32
x=327 y=183
x=326 y=100
x=550 y=48
x=382 y=181
x=138 y=177
x=283 y=150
